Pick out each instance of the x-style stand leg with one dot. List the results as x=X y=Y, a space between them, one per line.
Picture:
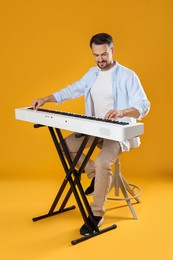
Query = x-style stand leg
x=72 y=176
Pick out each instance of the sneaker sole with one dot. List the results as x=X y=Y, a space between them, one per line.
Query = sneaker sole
x=99 y=224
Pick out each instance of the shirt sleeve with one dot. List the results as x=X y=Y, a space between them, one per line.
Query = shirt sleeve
x=74 y=90
x=137 y=96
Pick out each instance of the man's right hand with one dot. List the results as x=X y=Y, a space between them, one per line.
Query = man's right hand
x=38 y=102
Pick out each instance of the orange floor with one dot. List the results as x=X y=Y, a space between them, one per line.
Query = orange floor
x=149 y=237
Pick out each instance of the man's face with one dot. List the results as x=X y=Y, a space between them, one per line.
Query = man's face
x=103 y=55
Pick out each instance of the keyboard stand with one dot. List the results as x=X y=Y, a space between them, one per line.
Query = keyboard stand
x=73 y=176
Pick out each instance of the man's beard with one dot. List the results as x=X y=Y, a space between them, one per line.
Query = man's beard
x=102 y=65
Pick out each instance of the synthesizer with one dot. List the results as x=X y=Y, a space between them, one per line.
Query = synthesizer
x=108 y=129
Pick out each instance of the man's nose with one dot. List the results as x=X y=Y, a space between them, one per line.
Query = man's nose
x=100 y=58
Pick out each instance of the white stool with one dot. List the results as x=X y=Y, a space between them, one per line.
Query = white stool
x=129 y=191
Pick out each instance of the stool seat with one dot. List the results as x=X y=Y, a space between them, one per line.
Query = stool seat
x=129 y=191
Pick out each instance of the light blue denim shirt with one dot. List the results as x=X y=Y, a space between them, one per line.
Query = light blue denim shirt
x=127 y=92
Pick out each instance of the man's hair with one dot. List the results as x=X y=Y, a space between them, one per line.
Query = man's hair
x=102 y=38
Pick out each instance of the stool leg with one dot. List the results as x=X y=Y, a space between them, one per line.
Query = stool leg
x=119 y=182
x=129 y=189
x=116 y=179
x=124 y=191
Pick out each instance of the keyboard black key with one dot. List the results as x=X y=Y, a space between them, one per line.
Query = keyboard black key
x=81 y=116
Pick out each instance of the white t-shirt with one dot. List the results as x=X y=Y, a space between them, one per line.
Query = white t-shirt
x=101 y=93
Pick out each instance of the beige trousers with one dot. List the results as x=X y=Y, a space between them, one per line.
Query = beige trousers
x=101 y=169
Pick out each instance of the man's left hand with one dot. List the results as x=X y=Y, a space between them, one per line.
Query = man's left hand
x=114 y=114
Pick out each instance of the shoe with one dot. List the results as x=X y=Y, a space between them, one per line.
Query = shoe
x=89 y=191
x=84 y=229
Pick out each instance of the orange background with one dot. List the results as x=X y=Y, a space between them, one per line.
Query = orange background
x=45 y=46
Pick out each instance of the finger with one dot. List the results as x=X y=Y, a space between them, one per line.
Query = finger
x=108 y=114
x=35 y=105
x=112 y=115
